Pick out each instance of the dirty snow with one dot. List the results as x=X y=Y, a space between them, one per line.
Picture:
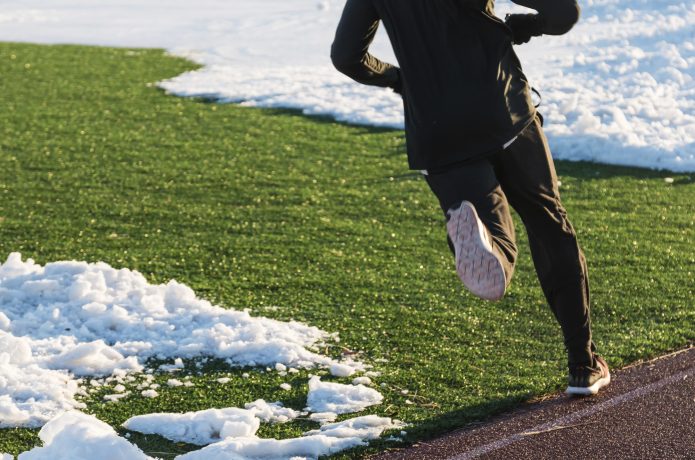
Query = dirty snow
x=620 y=88
x=71 y=319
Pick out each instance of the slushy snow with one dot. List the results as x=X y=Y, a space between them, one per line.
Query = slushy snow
x=338 y=398
x=71 y=319
x=619 y=88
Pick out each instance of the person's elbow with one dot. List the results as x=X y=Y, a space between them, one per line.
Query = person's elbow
x=563 y=18
x=342 y=61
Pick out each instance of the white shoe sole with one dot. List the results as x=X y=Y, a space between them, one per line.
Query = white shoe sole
x=476 y=263
x=592 y=390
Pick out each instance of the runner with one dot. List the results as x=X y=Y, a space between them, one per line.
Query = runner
x=473 y=131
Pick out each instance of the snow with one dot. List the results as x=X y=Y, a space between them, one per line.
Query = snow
x=323 y=417
x=341 y=370
x=67 y=320
x=71 y=319
x=272 y=412
x=365 y=427
x=620 y=88
x=339 y=398
x=212 y=425
x=77 y=436
x=199 y=428
x=362 y=381
x=309 y=447
x=329 y=439
x=29 y=393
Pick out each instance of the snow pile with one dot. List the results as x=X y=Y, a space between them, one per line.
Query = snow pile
x=618 y=89
x=75 y=318
x=338 y=398
x=200 y=428
x=76 y=436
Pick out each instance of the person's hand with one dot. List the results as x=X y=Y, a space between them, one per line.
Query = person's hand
x=524 y=26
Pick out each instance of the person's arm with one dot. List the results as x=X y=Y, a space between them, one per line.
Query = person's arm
x=350 y=50
x=555 y=17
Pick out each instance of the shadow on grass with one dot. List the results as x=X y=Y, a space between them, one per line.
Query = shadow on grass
x=463 y=419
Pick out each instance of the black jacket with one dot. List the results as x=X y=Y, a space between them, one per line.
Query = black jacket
x=465 y=94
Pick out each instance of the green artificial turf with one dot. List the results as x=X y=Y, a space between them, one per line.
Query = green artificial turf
x=306 y=219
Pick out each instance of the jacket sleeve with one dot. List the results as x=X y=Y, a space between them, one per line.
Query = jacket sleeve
x=558 y=16
x=349 y=52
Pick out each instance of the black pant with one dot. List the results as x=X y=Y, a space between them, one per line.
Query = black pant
x=523 y=176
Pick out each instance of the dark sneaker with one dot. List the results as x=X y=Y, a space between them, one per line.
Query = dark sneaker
x=588 y=380
x=477 y=265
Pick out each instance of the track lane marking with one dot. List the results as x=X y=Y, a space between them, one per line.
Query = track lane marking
x=574 y=417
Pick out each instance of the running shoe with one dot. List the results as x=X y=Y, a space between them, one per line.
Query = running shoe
x=588 y=380
x=477 y=264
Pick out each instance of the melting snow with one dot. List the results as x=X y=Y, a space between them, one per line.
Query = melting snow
x=329 y=439
x=75 y=319
x=339 y=398
x=200 y=428
x=71 y=319
x=76 y=436
x=366 y=427
x=272 y=412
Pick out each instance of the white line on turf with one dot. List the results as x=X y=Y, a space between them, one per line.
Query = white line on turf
x=574 y=417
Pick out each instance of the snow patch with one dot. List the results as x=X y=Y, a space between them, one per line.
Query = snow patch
x=339 y=398
x=199 y=428
x=366 y=427
x=330 y=439
x=309 y=447
x=272 y=412
x=77 y=436
x=341 y=370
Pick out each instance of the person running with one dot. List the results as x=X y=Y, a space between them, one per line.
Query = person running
x=473 y=131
